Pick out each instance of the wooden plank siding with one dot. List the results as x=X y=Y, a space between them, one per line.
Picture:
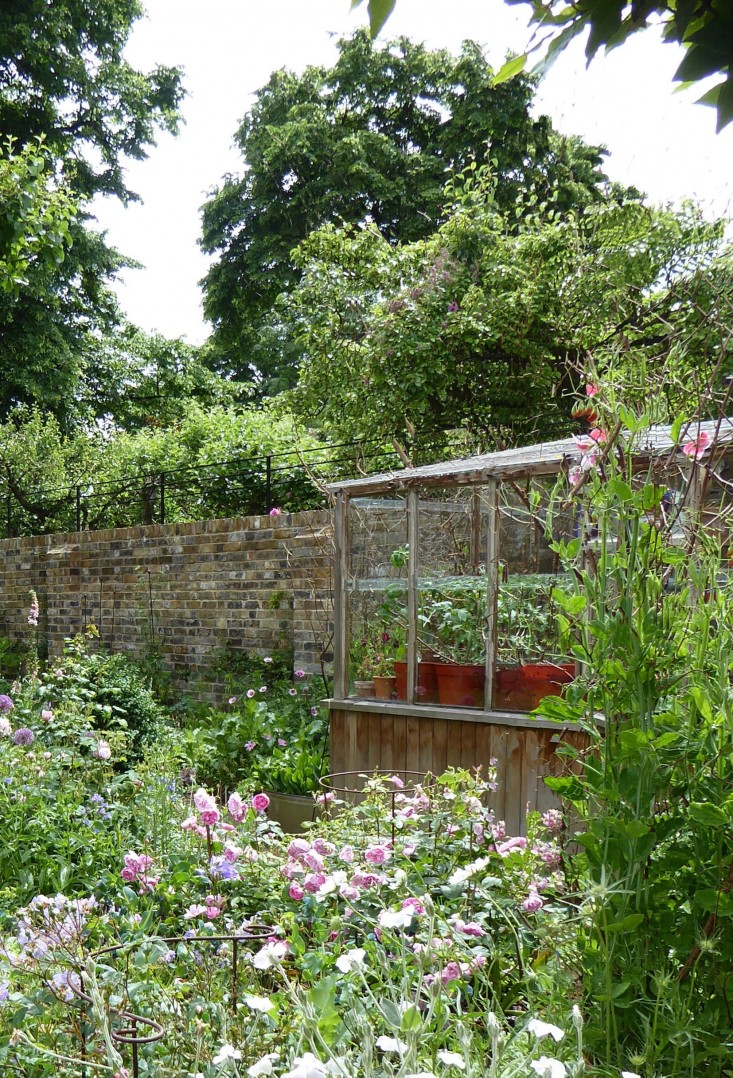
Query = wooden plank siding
x=362 y=741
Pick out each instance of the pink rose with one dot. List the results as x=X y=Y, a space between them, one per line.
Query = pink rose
x=203 y=801
x=260 y=802
x=532 y=902
x=377 y=855
x=296 y=892
x=324 y=848
x=237 y=807
x=298 y=847
x=314 y=881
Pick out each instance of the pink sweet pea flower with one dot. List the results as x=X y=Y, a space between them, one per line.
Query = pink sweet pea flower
x=511 y=844
x=591 y=389
x=696 y=447
x=196 y=910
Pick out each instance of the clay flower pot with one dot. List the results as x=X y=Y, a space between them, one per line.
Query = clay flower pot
x=364 y=689
x=460 y=685
x=521 y=688
x=291 y=811
x=385 y=688
x=427 y=684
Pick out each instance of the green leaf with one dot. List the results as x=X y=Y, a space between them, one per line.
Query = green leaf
x=605 y=23
x=634 y=829
x=702 y=701
x=511 y=68
x=568 y=786
x=721 y=98
x=556 y=46
x=675 y=429
x=725 y=104
x=411 y=1019
x=559 y=710
x=712 y=901
x=392 y=1015
x=698 y=62
x=620 y=490
x=379 y=12
x=628 y=924
x=709 y=815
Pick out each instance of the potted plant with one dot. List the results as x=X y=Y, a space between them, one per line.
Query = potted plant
x=453 y=624
x=373 y=658
x=529 y=666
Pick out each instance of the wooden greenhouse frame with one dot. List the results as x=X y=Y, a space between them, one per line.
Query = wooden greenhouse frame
x=409 y=736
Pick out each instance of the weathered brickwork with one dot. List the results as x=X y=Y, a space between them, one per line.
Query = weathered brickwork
x=249 y=583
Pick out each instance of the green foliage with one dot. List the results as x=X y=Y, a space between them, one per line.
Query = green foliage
x=704 y=29
x=490 y=324
x=366 y=142
x=64 y=80
x=138 y=380
x=64 y=76
x=35 y=215
x=650 y=617
x=108 y=689
x=273 y=736
x=213 y=460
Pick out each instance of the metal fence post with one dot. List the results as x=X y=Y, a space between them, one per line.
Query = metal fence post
x=78 y=509
x=268 y=483
x=9 y=517
x=162 y=497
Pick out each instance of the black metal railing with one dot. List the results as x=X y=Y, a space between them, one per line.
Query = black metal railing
x=242 y=486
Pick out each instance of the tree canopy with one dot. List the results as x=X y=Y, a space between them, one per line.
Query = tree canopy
x=63 y=75
x=64 y=79
x=369 y=141
x=703 y=27
x=493 y=328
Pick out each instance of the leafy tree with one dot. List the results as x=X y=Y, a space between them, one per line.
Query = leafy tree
x=136 y=380
x=35 y=215
x=64 y=78
x=63 y=75
x=703 y=27
x=490 y=328
x=370 y=140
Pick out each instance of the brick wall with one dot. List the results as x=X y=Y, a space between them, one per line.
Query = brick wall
x=249 y=583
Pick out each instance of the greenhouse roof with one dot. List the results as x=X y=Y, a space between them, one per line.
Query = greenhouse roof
x=544 y=458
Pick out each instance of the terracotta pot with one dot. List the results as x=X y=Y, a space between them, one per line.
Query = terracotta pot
x=427 y=683
x=384 y=688
x=364 y=689
x=291 y=811
x=459 y=685
x=521 y=688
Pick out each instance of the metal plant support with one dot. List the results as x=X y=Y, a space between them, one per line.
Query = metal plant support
x=136 y=1030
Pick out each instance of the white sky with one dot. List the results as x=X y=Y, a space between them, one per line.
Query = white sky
x=659 y=140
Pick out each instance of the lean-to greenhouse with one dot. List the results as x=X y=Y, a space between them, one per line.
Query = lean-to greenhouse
x=446 y=635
